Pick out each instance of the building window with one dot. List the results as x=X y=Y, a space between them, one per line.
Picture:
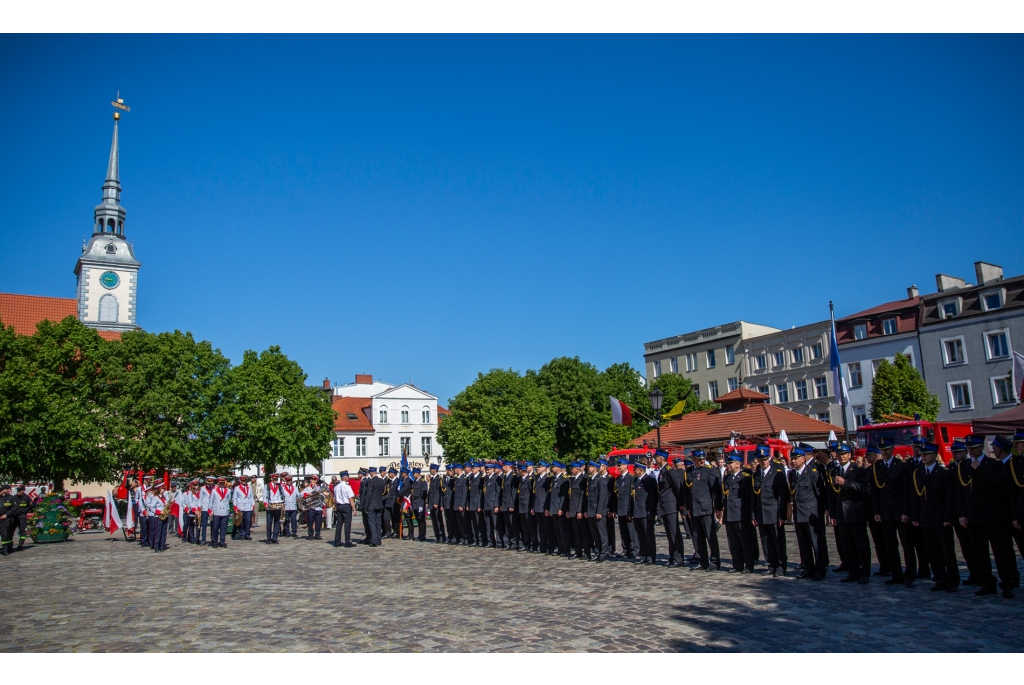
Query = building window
x=953 y=351
x=425 y=414
x=782 y=392
x=383 y=415
x=816 y=351
x=763 y=389
x=779 y=358
x=425 y=446
x=760 y=362
x=733 y=384
x=406 y=446
x=711 y=359
x=949 y=308
x=696 y=391
x=730 y=354
x=691 y=362
x=383 y=447
x=339 y=446
x=801 y=390
x=992 y=300
x=860 y=331
x=657 y=368
x=673 y=364
x=405 y=414
x=824 y=416
x=997 y=345
x=960 y=396
x=713 y=390
x=798 y=355
x=860 y=416
x=360 y=447
x=856 y=378
x=821 y=387
x=889 y=327
x=108 y=309
x=1002 y=390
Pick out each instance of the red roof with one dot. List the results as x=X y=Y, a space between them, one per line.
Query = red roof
x=745 y=394
x=352 y=416
x=762 y=420
x=882 y=308
x=25 y=311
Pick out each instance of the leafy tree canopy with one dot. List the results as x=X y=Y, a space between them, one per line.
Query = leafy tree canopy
x=899 y=389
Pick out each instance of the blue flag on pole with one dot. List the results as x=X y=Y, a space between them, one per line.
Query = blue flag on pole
x=838 y=382
x=405 y=460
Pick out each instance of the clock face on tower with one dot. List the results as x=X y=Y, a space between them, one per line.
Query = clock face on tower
x=109 y=280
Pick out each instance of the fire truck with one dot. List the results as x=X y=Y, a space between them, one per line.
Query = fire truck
x=903 y=429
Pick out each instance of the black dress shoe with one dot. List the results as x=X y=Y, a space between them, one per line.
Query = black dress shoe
x=804 y=574
x=774 y=573
x=818 y=577
x=852 y=578
x=970 y=582
x=985 y=591
x=895 y=581
x=951 y=588
x=672 y=564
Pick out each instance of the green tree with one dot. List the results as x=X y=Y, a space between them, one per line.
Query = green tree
x=271 y=417
x=624 y=383
x=501 y=414
x=54 y=405
x=577 y=395
x=899 y=389
x=163 y=394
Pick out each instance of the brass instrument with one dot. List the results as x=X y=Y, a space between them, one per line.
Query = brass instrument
x=314 y=501
x=164 y=514
x=237 y=519
x=275 y=506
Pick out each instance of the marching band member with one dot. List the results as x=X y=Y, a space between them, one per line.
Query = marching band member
x=243 y=501
x=191 y=500
x=343 y=511
x=290 y=492
x=141 y=515
x=204 y=508
x=273 y=494
x=314 y=517
x=219 y=510
x=157 y=527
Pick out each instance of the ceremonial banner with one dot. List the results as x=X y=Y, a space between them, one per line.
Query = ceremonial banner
x=111 y=519
x=129 y=518
x=621 y=415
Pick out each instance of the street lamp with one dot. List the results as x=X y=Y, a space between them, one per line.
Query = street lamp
x=657 y=397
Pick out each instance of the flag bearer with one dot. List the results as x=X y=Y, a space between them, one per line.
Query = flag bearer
x=220 y=509
x=140 y=510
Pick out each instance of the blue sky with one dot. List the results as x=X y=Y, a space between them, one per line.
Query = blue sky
x=426 y=207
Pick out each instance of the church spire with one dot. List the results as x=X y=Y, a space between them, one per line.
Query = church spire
x=109 y=215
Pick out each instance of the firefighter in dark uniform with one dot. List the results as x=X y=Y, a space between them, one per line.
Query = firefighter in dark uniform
x=705 y=510
x=460 y=503
x=1002 y=448
x=491 y=503
x=671 y=484
x=474 y=504
x=418 y=498
x=871 y=455
x=933 y=508
x=771 y=495
x=738 y=495
x=8 y=512
x=890 y=496
x=596 y=512
x=402 y=518
x=807 y=489
x=985 y=511
x=523 y=505
x=387 y=529
x=574 y=509
x=961 y=476
x=644 y=495
x=541 y=482
x=623 y=510
x=557 y=487
x=434 y=492
x=848 y=512
x=25 y=506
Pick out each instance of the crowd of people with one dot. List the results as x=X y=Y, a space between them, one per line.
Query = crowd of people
x=909 y=509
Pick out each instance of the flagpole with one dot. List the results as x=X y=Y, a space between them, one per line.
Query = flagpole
x=839 y=390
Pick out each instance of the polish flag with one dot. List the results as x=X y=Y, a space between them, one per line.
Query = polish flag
x=179 y=513
x=129 y=518
x=111 y=519
x=1018 y=375
x=621 y=414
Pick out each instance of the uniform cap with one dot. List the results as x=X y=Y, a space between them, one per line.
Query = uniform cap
x=732 y=453
x=917 y=440
x=5 y=486
x=973 y=440
x=602 y=462
x=797 y=452
x=529 y=463
x=543 y=463
x=382 y=469
x=1002 y=443
x=405 y=470
x=676 y=460
x=391 y=470
x=343 y=474
x=873 y=450
x=733 y=457
x=958 y=446
x=687 y=462
x=886 y=443
x=417 y=471
x=844 y=449
x=210 y=478
x=576 y=463
x=593 y=463
x=623 y=461
x=638 y=465
x=1018 y=436
x=697 y=453
x=763 y=451
x=434 y=467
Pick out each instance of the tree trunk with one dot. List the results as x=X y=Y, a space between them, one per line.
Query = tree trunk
x=269 y=468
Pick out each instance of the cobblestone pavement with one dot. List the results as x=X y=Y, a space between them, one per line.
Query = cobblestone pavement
x=91 y=594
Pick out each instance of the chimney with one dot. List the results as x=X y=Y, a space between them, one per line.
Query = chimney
x=944 y=282
x=327 y=384
x=364 y=379
x=911 y=292
x=987 y=273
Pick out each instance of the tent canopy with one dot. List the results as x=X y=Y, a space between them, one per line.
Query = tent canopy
x=1002 y=423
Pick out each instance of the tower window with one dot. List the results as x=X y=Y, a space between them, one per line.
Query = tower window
x=110 y=248
x=108 y=309
x=110 y=225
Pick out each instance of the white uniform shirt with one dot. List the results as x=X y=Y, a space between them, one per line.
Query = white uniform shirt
x=273 y=494
x=191 y=501
x=343 y=493
x=242 y=498
x=155 y=504
x=220 y=501
x=290 y=494
x=204 y=498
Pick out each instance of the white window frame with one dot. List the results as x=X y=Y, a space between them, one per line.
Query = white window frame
x=711 y=358
x=712 y=390
x=778 y=359
x=673 y=364
x=730 y=354
x=797 y=385
x=691 y=362
x=405 y=442
x=1001 y=292
x=860 y=415
x=383 y=447
x=657 y=368
x=895 y=326
x=963 y=347
x=825 y=416
x=798 y=355
x=338 y=447
x=734 y=384
x=949 y=395
x=857 y=329
x=818 y=386
x=765 y=390
x=360 y=447
x=760 y=362
x=779 y=389
x=988 y=347
x=817 y=351
x=942 y=307
x=382 y=414
x=995 y=395
x=404 y=415
x=860 y=374
x=425 y=446
x=425 y=415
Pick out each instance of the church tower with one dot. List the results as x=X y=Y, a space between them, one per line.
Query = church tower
x=107 y=270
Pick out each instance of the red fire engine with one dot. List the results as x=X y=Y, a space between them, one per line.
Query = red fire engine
x=904 y=429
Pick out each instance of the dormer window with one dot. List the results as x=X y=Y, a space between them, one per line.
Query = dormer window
x=860 y=331
x=992 y=300
x=889 y=327
x=949 y=308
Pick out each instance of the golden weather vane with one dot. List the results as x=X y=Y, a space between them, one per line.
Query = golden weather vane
x=119 y=104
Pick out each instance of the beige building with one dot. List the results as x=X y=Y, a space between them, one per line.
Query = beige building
x=792 y=368
x=712 y=358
